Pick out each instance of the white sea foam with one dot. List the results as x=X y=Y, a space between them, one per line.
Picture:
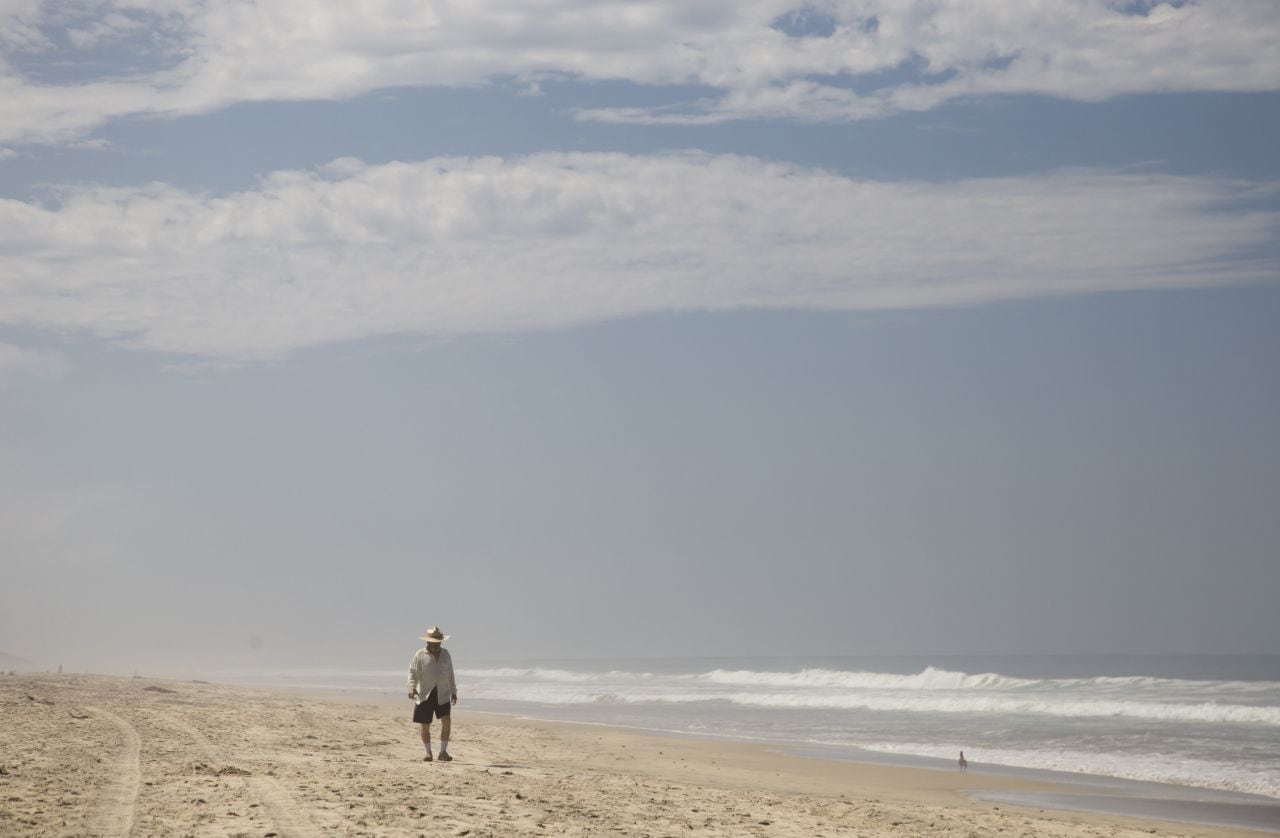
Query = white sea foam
x=1146 y=767
x=993 y=705
x=933 y=678
x=1045 y=706
x=930 y=679
x=930 y=691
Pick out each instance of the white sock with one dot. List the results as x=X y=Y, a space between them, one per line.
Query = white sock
x=444 y=745
x=427 y=745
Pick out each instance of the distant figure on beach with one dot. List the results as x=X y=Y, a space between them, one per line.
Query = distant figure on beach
x=964 y=763
x=433 y=690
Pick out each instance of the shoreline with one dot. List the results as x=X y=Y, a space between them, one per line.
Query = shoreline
x=707 y=697
x=1094 y=794
x=1098 y=794
x=177 y=756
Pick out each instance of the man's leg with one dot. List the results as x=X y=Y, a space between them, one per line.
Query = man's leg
x=426 y=738
x=444 y=734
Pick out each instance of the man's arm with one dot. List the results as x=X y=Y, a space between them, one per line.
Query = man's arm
x=413 y=676
x=453 y=685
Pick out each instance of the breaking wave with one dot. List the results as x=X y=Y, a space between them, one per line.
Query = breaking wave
x=930 y=679
x=930 y=691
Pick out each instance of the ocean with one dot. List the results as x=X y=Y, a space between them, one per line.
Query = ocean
x=1210 y=722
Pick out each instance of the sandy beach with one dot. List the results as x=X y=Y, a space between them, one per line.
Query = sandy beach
x=96 y=755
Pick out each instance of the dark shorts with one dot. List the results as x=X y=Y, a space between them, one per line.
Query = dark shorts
x=430 y=707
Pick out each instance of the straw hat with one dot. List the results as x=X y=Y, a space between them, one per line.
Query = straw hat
x=434 y=635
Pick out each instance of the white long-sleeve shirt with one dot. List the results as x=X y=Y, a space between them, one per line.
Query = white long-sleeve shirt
x=427 y=671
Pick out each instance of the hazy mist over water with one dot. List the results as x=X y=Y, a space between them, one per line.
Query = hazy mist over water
x=1025 y=478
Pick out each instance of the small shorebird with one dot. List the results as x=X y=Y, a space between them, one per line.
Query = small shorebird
x=964 y=763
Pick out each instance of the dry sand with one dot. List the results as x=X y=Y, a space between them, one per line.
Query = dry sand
x=89 y=755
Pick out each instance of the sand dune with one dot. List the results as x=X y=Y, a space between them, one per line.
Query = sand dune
x=118 y=756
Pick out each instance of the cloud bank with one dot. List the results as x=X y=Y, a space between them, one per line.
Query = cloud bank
x=817 y=61
x=477 y=245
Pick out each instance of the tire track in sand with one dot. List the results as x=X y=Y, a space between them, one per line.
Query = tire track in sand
x=113 y=814
x=286 y=816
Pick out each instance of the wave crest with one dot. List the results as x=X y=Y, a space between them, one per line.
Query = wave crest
x=931 y=678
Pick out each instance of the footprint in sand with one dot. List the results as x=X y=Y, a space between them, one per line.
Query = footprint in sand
x=113 y=814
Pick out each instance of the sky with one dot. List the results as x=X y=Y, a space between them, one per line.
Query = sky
x=613 y=329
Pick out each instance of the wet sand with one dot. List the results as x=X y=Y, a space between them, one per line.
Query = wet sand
x=125 y=756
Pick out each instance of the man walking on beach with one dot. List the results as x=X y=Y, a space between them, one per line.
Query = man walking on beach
x=432 y=687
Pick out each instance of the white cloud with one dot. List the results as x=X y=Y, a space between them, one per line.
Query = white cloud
x=111 y=26
x=236 y=51
x=19 y=25
x=455 y=246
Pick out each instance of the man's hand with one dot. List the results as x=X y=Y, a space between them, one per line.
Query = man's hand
x=413 y=693
x=453 y=699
